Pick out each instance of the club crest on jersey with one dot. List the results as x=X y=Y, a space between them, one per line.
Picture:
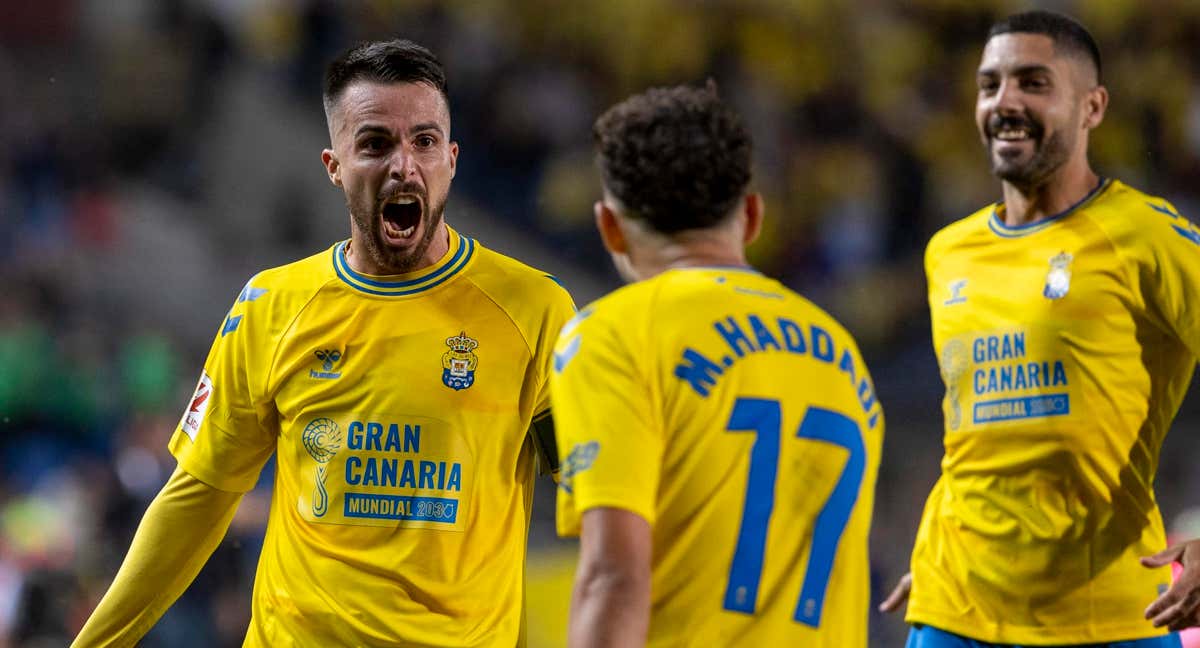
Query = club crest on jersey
x=1058 y=279
x=328 y=358
x=458 y=364
x=322 y=439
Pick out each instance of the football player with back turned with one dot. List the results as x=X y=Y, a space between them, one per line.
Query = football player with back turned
x=720 y=433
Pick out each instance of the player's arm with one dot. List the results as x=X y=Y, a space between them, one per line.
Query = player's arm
x=225 y=436
x=541 y=429
x=1169 y=270
x=180 y=530
x=610 y=604
x=899 y=595
x=611 y=446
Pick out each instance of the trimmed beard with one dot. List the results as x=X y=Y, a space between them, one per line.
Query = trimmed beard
x=383 y=256
x=1047 y=158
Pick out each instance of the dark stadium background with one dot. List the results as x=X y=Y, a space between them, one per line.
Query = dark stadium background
x=155 y=154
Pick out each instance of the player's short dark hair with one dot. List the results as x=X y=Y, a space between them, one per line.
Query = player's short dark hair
x=392 y=61
x=1066 y=32
x=677 y=158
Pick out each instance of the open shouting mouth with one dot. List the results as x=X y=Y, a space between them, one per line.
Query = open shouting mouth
x=401 y=218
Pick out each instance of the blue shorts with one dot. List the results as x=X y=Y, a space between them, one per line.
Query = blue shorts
x=923 y=636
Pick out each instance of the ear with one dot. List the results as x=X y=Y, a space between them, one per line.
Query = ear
x=453 y=158
x=332 y=166
x=610 y=229
x=1094 y=107
x=753 y=210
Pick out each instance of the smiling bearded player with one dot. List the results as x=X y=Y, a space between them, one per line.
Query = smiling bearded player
x=400 y=377
x=1067 y=325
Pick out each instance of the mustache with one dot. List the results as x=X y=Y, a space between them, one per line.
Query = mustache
x=410 y=188
x=998 y=122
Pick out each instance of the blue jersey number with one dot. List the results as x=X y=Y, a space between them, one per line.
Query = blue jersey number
x=765 y=418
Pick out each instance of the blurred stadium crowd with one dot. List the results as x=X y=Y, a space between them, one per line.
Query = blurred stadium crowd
x=154 y=154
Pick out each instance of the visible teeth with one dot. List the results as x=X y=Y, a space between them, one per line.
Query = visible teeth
x=405 y=233
x=403 y=200
x=1011 y=134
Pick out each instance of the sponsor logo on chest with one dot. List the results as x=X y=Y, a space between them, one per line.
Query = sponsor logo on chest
x=329 y=358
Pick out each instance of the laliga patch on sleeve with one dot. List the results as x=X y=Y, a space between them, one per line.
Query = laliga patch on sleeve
x=194 y=415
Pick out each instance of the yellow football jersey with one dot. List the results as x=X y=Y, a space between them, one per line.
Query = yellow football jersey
x=740 y=420
x=1066 y=347
x=398 y=408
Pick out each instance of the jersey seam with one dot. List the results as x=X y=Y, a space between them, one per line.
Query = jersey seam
x=1130 y=279
x=963 y=224
x=513 y=320
x=660 y=424
x=287 y=329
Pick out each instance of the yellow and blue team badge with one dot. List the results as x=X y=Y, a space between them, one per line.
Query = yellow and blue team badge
x=458 y=364
x=1058 y=279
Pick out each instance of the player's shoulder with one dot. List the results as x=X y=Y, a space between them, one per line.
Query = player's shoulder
x=956 y=232
x=1129 y=216
x=671 y=293
x=680 y=298
x=629 y=307
x=509 y=281
x=287 y=287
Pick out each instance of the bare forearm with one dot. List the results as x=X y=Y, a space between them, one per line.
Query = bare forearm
x=609 y=610
x=181 y=528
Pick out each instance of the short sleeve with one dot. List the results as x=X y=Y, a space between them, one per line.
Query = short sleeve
x=560 y=311
x=227 y=431
x=610 y=452
x=1170 y=273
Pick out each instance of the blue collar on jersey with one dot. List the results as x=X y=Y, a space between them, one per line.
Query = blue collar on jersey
x=1016 y=231
x=461 y=250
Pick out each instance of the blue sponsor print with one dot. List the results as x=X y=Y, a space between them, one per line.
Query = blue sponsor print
x=250 y=293
x=231 y=325
x=956 y=296
x=1187 y=230
x=580 y=458
x=401 y=507
x=750 y=334
x=1028 y=407
x=1187 y=233
x=561 y=359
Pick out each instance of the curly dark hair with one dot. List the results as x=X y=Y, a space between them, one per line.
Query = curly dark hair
x=391 y=61
x=677 y=158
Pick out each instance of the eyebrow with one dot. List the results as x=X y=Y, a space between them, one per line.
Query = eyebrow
x=1021 y=70
x=371 y=128
x=433 y=126
x=418 y=128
